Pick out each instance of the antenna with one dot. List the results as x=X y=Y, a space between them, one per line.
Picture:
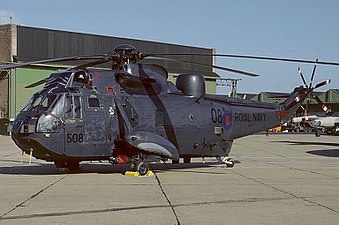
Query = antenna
x=231 y=83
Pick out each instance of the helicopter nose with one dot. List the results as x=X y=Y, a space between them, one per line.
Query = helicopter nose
x=22 y=141
x=24 y=124
x=17 y=124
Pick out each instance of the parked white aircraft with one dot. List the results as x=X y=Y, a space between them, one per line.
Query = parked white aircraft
x=329 y=123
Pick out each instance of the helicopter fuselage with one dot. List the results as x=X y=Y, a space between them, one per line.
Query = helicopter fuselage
x=87 y=114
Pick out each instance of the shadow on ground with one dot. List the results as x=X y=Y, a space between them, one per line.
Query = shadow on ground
x=325 y=152
x=50 y=169
x=321 y=152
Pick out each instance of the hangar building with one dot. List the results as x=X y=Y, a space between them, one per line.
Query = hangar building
x=23 y=44
x=330 y=98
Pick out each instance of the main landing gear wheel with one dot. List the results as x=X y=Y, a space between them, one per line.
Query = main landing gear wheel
x=142 y=168
x=187 y=159
x=229 y=162
x=175 y=161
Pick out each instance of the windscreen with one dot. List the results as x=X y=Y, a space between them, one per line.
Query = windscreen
x=51 y=120
x=40 y=102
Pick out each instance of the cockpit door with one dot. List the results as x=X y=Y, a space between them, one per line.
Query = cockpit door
x=87 y=122
x=74 y=125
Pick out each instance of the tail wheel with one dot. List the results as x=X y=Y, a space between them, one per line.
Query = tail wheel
x=229 y=162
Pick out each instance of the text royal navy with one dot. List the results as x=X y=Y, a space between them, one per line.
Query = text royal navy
x=249 y=117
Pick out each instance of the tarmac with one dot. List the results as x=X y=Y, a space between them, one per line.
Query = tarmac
x=277 y=179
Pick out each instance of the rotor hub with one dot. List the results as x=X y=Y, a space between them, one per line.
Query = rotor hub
x=127 y=53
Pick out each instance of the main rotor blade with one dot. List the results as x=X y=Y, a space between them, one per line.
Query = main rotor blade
x=91 y=64
x=322 y=84
x=206 y=65
x=64 y=59
x=302 y=76
x=314 y=67
x=249 y=57
x=37 y=83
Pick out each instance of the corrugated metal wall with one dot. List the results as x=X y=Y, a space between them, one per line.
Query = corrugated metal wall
x=38 y=43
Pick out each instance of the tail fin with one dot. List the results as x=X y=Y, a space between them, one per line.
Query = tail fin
x=293 y=102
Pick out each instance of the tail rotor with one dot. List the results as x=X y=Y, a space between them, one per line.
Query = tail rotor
x=310 y=91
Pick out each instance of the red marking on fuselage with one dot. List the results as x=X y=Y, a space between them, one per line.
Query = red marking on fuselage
x=97 y=75
x=227 y=120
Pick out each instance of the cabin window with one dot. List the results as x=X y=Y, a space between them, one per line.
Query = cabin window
x=93 y=102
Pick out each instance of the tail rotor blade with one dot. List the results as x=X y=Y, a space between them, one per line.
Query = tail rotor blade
x=315 y=66
x=322 y=83
x=323 y=106
x=302 y=76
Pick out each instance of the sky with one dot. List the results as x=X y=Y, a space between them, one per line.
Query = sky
x=304 y=29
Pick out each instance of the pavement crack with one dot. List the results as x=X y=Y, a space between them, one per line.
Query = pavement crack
x=290 y=167
x=232 y=201
x=32 y=197
x=303 y=170
x=167 y=199
x=81 y=212
x=286 y=192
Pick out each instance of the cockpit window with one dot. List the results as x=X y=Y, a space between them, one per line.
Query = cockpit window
x=31 y=102
x=51 y=120
x=39 y=102
x=57 y=109
x=47 y=101
x=73 y=107
x=36 y=101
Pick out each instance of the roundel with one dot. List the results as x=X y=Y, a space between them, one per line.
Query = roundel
x=227 y=120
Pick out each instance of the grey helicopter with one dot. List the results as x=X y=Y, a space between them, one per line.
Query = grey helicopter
x=131 y=114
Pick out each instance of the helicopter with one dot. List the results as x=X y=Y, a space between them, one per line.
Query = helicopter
x=131 y=114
